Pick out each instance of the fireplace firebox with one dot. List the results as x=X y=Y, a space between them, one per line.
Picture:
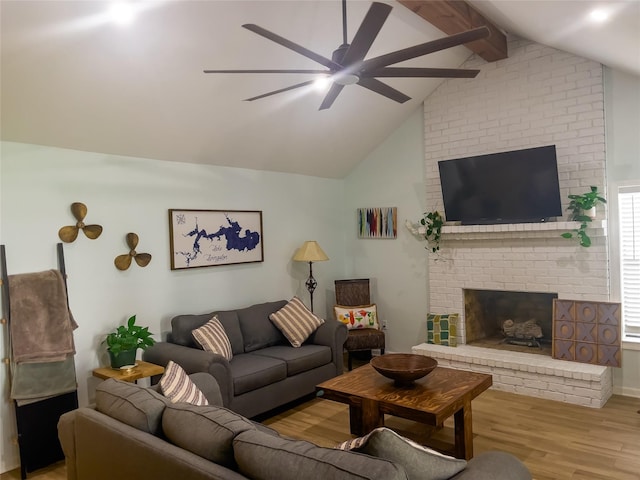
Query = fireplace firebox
x=521 y=321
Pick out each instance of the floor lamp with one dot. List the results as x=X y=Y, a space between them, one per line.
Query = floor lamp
x=310 y=252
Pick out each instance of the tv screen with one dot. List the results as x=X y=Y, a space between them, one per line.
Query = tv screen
x=507 y=187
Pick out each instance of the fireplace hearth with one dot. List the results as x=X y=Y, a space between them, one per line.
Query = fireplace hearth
x=507 y=320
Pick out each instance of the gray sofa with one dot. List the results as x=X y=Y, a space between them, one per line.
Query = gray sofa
x=265 y=371
x=133 y=432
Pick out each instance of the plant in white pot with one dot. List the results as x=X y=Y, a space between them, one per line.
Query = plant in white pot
x=582 y=209
x=124 y=342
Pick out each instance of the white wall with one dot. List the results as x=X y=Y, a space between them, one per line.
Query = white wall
x=622 y=113
x=392 y=176
x=133 y=195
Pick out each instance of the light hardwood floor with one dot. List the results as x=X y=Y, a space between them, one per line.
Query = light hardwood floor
x=557 y=441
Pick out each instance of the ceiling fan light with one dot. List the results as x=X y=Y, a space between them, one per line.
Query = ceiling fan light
x=346 y=78
x=322 y=83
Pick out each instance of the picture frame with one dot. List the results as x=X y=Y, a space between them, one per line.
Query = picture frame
x=378 y=222
x=209 y=238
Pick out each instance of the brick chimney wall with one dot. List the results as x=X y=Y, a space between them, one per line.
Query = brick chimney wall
x=538 y=96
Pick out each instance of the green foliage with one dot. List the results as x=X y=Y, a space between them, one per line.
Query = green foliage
x=577 y=206
x=129 y=337
x=586 y=201
x=433 y=222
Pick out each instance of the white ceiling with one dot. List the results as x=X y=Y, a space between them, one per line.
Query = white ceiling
x=71 y=78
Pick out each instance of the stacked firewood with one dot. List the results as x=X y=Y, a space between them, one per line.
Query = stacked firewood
x=526 y=330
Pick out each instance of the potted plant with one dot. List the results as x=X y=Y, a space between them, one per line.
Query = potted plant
x=124 y=342
x=433 y=222
x=583 y=211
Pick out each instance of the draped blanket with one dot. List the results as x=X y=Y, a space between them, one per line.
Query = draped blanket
x=41 y=323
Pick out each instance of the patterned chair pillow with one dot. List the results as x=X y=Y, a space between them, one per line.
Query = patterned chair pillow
x=363 y=316
x=296 y=321
x=442 y=329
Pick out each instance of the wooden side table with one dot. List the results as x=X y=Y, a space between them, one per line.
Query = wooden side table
x=141 y=370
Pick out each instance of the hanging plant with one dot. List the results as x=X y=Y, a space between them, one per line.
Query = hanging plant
x=433 y=222
x=582 y=210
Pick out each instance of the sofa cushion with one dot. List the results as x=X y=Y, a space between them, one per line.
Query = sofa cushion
x=299 y=360
x=231 y=323
x=251 y=371
x=176 y=385
x=132 y=404
x=420 y=463
x=212 y=338
x=296 y=321
x=183 y=325
x=206 y=431
x=257 y=330
x=261 y=456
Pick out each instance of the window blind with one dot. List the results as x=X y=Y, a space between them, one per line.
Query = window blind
x=629 y=205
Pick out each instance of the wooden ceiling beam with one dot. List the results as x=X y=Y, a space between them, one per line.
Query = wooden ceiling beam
x=455 y=16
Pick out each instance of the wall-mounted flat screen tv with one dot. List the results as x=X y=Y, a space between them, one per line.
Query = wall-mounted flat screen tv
x=507 y=187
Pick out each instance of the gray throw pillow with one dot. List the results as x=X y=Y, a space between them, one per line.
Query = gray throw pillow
x=263 y=456
x=421 y=463
x=132 y=404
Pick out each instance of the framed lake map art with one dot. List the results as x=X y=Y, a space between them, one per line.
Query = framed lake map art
x=207 y=238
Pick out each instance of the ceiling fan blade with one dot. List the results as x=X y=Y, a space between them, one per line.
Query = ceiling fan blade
x=68 y=234
x=383 y=89
x=424 y=72
x=268 y=71
x=92 y=231
x=367 y=33
x=122 y=262
x=142 y=259
x=425 y=48
x=292 y=46
x=286 y=89
x=331 y=96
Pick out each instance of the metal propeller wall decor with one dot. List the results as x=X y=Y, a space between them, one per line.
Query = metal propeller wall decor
x=348 y=66
x=123 y=262
x=69 y=233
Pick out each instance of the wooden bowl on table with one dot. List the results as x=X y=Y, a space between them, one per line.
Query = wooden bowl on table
x=404 y=368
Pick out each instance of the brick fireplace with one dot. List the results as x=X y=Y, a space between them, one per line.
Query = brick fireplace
x=537 y=96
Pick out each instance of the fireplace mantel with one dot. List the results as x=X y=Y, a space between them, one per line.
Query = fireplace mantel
x=598 y=228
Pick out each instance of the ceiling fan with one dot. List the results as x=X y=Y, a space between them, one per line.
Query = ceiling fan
x=348 y=66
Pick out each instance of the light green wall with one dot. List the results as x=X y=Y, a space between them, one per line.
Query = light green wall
x=392 y=176
x=133 y=195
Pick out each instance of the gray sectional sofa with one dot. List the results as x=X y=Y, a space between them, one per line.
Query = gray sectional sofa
x=265 y=371
x=133 y=432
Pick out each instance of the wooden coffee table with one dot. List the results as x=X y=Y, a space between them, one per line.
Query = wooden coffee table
x=431 y=400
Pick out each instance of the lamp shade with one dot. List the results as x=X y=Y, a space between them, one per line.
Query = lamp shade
x=310 y=251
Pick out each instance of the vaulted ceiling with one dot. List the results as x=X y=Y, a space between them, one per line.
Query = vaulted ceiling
x=71 y=78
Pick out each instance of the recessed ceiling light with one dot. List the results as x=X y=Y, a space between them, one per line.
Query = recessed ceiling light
x=599 y=15
x=121 y=13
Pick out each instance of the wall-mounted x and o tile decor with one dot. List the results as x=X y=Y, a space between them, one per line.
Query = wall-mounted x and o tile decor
x=587 y=332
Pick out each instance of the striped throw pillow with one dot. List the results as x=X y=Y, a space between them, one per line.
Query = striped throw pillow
x=212 y=338
x=176 y=385
x=295 y=321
